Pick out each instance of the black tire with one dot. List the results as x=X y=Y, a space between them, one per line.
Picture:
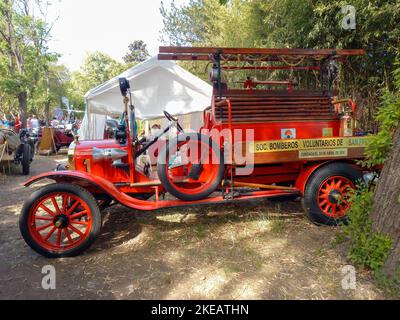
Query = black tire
x=70 y=188
x=310 y=200
x=162 y=166
x=26 y=158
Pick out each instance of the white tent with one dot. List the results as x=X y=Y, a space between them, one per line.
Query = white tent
x=156 y=86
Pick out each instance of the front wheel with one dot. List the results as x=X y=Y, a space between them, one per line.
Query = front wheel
x=60 y=220
x=326 y=197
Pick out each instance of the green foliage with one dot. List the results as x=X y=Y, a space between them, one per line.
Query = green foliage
x=367 y=249
x=137 y=52
x=25 y=60
x=27 y=66
x=208 y=23
x=388 y=117
x=97 y=68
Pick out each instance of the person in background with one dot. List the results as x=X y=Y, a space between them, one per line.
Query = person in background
x=54 y=123
x=11 y=122
x=18 y=123
x=29 y=123
x=35 y=123
x=6 y=122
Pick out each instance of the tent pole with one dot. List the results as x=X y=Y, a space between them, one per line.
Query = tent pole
x=88 y=136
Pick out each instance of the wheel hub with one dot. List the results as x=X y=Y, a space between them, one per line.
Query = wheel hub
x=335 y=196
x=61 y=221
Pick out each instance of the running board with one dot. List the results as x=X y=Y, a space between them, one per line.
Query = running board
x=163 y=204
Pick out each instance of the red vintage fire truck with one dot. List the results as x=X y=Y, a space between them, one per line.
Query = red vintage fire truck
x=260 y=139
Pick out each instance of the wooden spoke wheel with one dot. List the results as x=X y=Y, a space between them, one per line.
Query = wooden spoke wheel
x=327 y=193
x=333 y=196
x=60 y=220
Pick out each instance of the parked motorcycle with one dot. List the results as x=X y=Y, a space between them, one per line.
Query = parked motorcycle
x=26 y=150
x=17 y=148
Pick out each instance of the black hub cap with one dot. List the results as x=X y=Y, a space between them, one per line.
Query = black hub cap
x=335 y=196
x=61 y=221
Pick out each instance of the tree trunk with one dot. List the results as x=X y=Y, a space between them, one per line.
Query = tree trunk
x=386 y=210
x=23 y=107
x=47 y=112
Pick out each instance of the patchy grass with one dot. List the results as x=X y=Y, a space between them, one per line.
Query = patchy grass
x=200 y=231
x=320 y=252
x=277 y=226
x=232 y=269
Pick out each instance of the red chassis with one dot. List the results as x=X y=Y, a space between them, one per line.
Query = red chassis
x=302 y=144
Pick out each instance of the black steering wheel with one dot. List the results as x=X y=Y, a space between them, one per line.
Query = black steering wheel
x=172 y=119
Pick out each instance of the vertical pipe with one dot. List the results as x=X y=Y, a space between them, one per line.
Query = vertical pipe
x=230 y=129
x=218 y=59
x=321 y=74
x=131 y=159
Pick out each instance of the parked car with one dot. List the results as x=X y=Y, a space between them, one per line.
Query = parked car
x=302 y=143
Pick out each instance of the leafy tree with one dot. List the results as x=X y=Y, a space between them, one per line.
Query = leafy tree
x=137 y=52
x=97 y=68
x=50 y=89
x=23 y=50
x=307 y=24
x=385 y=212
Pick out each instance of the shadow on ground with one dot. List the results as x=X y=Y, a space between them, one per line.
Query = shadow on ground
x=257 y=250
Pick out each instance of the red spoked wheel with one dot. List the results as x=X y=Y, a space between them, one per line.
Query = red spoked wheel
x=60 y=220
x=333 y=196
x=327 y=193
x=191 y=167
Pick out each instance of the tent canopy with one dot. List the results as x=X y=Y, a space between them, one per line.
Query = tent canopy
x=156 y=86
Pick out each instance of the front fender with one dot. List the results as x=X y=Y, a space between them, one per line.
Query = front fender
x=88 y=180
x=305 y=174
x=69 y=176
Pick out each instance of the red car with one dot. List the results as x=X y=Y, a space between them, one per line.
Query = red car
x=258 y=141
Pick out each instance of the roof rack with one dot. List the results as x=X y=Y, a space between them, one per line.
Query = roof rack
x=254 y=54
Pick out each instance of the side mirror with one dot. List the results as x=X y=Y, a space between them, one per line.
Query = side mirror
x=124 y=86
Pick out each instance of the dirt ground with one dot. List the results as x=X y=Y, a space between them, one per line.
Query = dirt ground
x=257 y=250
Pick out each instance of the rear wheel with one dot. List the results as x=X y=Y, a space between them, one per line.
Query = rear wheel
x=60 y=220
x=191 y=167
x=326 y=197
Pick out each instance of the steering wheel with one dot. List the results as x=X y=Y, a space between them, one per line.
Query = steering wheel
x=172 y=119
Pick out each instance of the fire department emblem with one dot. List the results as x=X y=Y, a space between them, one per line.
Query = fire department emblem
x=288 y=134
